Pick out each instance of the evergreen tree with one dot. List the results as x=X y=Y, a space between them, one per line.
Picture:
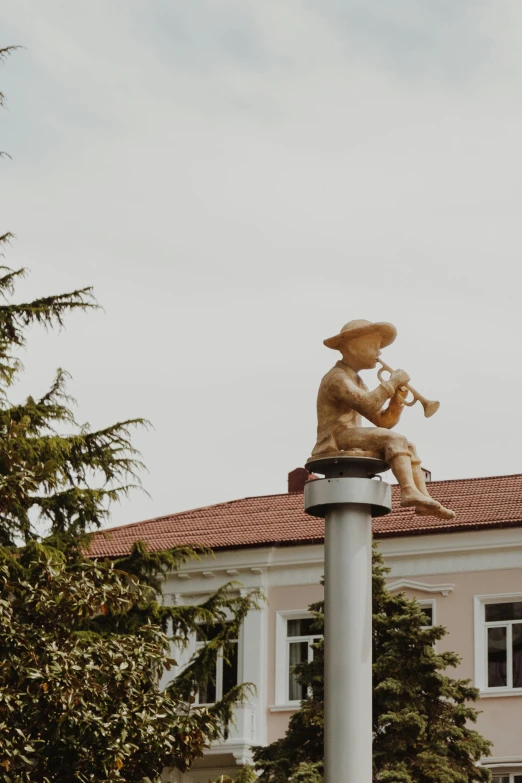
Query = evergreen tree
x=421 y=716
x=82 y=644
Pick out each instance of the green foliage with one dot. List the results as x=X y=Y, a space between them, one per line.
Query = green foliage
x=83 y=644
x=421 y=716
x=245 y=775
x=77 y=706
x=82 y=650
x=51 y=471
x=307 y=773
x=50 y=465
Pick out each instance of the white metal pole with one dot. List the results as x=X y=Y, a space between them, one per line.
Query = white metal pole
x=348 y=498
x=348 y=644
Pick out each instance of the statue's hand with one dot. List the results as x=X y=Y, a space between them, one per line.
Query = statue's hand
x=399 y=378
x=400 y=395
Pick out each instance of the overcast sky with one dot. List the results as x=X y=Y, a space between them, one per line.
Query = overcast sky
x=239 y=178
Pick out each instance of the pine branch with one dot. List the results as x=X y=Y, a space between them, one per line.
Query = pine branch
x=5 y=239
x=4 y=53
x=47 y=311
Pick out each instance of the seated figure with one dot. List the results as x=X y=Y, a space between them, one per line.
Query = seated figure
x=344 y=398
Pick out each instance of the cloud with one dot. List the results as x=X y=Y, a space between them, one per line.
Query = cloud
x=239 y=179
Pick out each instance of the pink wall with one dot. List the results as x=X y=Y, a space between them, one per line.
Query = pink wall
x=501 y=718
x=280 y=599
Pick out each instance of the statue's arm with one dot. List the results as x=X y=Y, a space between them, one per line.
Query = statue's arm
x=391 y=415
x=370 y=403
x=367 y=403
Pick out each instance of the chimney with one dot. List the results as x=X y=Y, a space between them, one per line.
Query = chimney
x=427 y=474
x=297 y=479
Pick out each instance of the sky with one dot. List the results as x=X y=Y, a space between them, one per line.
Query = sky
x=239 y=179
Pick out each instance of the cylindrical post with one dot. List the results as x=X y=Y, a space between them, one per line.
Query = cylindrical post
x=348 y=644
x=348 y=498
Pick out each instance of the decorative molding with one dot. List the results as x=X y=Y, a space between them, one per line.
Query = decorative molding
x=501 y=761
x=424 y=587
x=461 y=542
x=409 y=557
x=239 y=749
x=501 y=693
x=243 y=756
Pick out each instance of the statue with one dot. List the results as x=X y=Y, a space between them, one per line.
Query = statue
x=344 y=398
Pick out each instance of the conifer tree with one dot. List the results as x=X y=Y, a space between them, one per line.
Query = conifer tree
x=421 y=716
x=82 y=642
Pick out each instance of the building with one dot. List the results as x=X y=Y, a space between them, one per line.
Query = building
x=467 y=573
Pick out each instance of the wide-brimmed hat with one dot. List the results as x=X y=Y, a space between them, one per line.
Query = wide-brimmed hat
x=359 y=328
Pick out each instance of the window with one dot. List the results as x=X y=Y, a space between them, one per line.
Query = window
x=225 y=675
x=294 y=640
x=507 y=779
x=299 y=640
x=504 y=644
x=498 y=643
x=428 y=607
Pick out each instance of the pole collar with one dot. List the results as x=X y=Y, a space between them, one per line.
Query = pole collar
x=321 y=494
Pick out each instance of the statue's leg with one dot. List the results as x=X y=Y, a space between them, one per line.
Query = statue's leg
x=418 y=475
x=420 y=483
x=410 y=494
x=397 y=452
x=406 y=467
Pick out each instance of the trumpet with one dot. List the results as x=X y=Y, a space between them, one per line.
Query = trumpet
x=430 y=406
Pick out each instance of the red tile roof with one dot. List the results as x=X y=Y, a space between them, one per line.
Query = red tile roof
x=279 y=519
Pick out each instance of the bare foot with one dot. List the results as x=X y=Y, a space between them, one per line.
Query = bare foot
x=410 y=496
x=425 y=505
x=441 y=512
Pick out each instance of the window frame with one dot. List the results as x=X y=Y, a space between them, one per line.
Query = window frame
x=428 y=604
x=481 y=644
x=510 y=775
x=282 y=657
x=219 y=669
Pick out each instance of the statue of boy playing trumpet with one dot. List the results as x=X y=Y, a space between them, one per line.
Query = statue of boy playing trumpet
x=343 y=398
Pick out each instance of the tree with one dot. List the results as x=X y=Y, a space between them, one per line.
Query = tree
x=421 y=716
x=78 y=705
x=82 y=650
x=82 y=644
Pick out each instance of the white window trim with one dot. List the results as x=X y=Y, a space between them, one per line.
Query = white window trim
x=282 y=702
x=511 y=775
x=480 y=643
